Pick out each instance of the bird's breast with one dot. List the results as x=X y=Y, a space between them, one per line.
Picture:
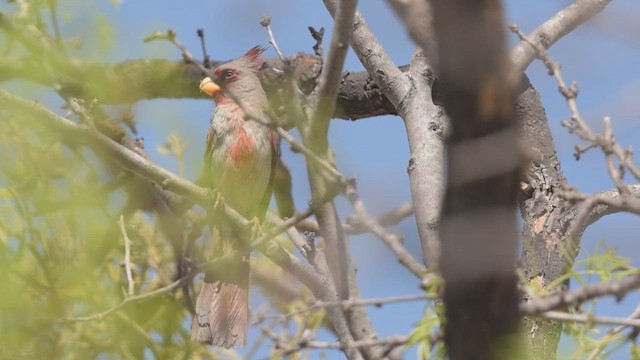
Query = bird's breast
x=241 y=162
x=243 y=149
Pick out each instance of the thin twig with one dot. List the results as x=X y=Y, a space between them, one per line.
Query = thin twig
x=282 y=225
x=352 y=226
x=170 y=36
x=586 y=318
x=266 y=22
x=595 y=206
x=298 y=242
x=127 y=256
x=53 y=12
x=283 y=344
x=324 y=164
x=205 y=56
x=618 y=288
x=317 y=35
x=146 y=296
x=347 y=304
x=393 y=241
x=613 y=333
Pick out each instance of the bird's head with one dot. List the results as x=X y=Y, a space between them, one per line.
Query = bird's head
x=239 y=77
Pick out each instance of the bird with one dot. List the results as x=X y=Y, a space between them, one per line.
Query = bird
x=240 y=162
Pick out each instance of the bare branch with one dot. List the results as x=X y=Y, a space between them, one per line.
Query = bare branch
x=587 y=318
x=331 y=293
x=317 y=35
x=353 y=226
x=427 y=129
x=331 y=73
x=127 y=256
x=393 y=241
x=594 y=207
x=171 y=37
x=312 y=156
x=347 y=304
x=612 y=333
x=425 y=125
x=388 y=343
x=387 y=76
x=612 y=150
x=219 y=262
x=617 y=288
x=205 y=56
x=266 y=22
x=545 y=35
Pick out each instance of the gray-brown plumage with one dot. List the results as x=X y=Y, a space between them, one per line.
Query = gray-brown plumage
x=240 y=160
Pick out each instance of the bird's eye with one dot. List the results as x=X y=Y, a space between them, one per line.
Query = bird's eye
x=227 y=74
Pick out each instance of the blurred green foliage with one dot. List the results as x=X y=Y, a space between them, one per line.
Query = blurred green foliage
x=61 y=248
x=62 y=251
x=62 y=256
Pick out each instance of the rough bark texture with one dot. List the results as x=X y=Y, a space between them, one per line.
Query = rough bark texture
x=546 y=218
x=547 y=251
x=478 y=228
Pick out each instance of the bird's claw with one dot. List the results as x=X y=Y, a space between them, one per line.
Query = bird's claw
x=217 y=201
x=256 y=227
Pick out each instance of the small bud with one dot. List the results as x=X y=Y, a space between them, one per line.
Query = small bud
x=266 y=20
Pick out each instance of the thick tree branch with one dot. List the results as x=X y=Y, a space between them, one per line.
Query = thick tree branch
x=411 y=95
x=545 y=35
x=386 y=74
x=426 y=126
x=133 y=80
x=358 y=97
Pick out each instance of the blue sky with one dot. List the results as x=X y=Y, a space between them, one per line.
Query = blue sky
x=602 y=56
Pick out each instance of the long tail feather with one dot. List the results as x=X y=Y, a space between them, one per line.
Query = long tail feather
x=222 y=309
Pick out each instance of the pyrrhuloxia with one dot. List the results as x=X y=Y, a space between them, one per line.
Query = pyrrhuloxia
x=240 y=160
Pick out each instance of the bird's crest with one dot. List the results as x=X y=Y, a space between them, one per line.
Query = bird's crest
x=253 y=56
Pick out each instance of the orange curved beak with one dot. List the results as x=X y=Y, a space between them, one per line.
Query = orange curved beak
x=208 y=86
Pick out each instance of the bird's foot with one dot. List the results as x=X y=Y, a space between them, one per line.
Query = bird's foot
x=217 y=201
x=256 y=228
